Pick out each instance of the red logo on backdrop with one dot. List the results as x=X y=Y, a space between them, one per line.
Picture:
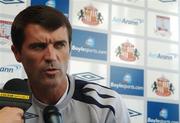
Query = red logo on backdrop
x=5 y=29
x=163 y=87
x=90 y=15
x=127 y=52
x=162 y=26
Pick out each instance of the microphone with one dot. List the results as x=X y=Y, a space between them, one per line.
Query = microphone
x=52 y=115
x=18 y=85
x=15 y=93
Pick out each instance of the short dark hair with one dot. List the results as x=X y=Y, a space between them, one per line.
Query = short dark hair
x=45 y=16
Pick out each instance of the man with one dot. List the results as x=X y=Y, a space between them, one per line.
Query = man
x=41 y=39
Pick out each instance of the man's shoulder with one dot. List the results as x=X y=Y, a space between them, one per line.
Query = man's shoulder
x=93 y=93
x=85 y=87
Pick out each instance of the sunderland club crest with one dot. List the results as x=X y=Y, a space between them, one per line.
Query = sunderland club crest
x=127 y=52
x=163 y=87
x=90 y=15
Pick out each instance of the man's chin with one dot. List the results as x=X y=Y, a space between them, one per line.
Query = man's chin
x=49 y=83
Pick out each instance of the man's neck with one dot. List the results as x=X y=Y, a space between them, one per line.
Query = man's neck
x=50 y=95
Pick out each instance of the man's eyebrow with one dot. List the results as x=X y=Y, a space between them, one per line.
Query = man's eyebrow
x=63 y=41
x=35 y=44
x=60 y=42
x=45 y=43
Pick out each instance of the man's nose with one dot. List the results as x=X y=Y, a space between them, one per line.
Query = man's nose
x=50 y=54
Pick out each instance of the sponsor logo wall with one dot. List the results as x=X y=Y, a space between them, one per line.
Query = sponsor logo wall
x=12 y=7
x=9 y=68
x=159 y=112
x=136 y=109
x=5 y=36
x=61 y=5
x=125 y=21
x=127 y=50
x=131 y=46
x=127 y=80
x=86 y=44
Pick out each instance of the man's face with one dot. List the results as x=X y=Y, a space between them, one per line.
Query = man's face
x=44 y=55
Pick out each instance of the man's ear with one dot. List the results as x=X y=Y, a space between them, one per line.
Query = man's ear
x=17 y=53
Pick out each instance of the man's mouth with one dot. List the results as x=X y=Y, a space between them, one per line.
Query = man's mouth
x=51 y=71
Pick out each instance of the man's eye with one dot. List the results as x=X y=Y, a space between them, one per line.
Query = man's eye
x=38 y=46
x=59 y=45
